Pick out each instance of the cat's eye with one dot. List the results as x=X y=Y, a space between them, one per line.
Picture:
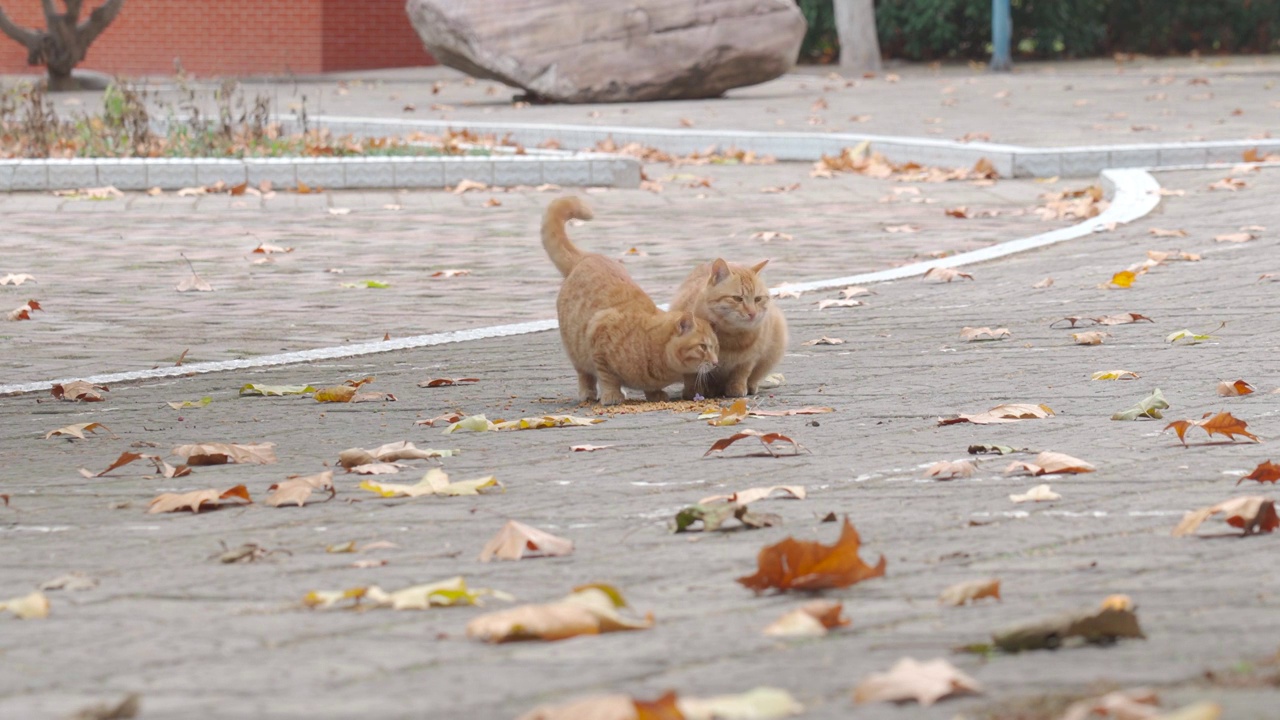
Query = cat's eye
x=737 y=298
x=760 y=299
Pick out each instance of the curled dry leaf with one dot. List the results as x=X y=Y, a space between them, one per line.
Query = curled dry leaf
x=762 y=703
x=1135 y=704
x=824 y=304
x=1266 y=471
x=23 y=312
x=195 y=282
x=448 y=418
x=273 y=390
x=445 y=593
x=1234 y=389
x=824 y=340
x=441 y=382
x=400 y=450
x=435 y=482
x=1162 y=256
x=78 y=390
x=901 y=228
x=467 y=186
x=1161 y=232
x=1009 y=412
x=714 y=515
x=812 y=619
x=186 y=404
x=451 y=273
x=951 y=469
x=1112 y=620
x=1148 y=407
x=71 y=581
x=1251 y=513
x=77 y=430
x=1115 y=375
x=127 y=457
x=1122 y=319
x=28 y=607
x=806 y=565
x=811 y=410
x=973 y=334
x=942 y=274
x=589 y=448
x=479 y=423
x=926 y=683
x=750 y=495
x=1223 y=423
x=993 y=450
x=297 y=489
x=588 y=610
x=1123 y=279
x=335 y=394
x=855 y=291
x=1039 y=493
x=516 y=538
x=735 y=413
x=1228 y=183
x=1238 y=237
x=265 y=249
x=766 y=439
x=196 y=501
x=223 y=453
x=1045 y=283
x=768 y=235
x=608 y=707
x=1048 y=463
x=970 y=591
x=16 y=279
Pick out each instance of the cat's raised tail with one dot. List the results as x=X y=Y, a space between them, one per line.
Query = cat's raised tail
x=563 y=252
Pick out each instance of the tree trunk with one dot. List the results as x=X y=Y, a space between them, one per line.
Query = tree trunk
x=64 y=42
x=856 y=28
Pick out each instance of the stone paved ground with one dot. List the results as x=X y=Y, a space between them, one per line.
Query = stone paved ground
x=200 y=639
x=124 y=287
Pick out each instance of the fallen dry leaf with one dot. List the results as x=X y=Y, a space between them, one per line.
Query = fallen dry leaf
x=1161 y=232
x=442 y=382
x=1266 y=471
x=23 y=312
x=589 y=448
x=388 y=453
x=806 y=565
x=735 y=413
x=1101 y=625
x=750 y=495
x=196 y=500
x=617 y=707
x=435 y=482
x=1039 y=493
x=1148 y=407
x=855 y=291
x=297 y=489
x=1252 y=513
x=824 y=304
x=1228 y=183
x=813 y=619
x=770 y=235
x=195 y=282
x=28 y=607
x=127 y=457
x=958 y=212
x=77 y=430
x=926 y=683
x=902 y=228
x=588 y=610
x=1123 y=279
x=78 y=390
x=766 y=439
x=71 y=581
x=447 y=418
x=1122 y=319
x=451 y=273
x=467 y=186
x=265 y=249
x=1093 y=337
x=1115 y=375
x=336 y=394
x=1135 y=704
x=970 y=591
x=951 y=469
x=941 y=274
x=1002 y=414
x=17 y=278
x=516 y=538
x=811 y=410
x=824 y=340
x=1235 y=237
x=974 y=334
x=445 y=593
x=1224 y=423
x=777 y=189
x=1045 y=283
x=1048 y=463
x=223 y=453
x=1234 y=389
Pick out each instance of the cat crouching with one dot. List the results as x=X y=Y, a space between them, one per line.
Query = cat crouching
x=612 y=331
x=750 y=327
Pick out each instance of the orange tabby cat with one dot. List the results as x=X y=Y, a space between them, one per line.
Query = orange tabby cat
x=752 y=331
x=613 y=333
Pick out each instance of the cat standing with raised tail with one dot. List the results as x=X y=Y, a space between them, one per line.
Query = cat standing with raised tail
x=751 y=329
x=614 y=334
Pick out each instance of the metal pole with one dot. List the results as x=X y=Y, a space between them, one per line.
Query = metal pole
x=1001 y=32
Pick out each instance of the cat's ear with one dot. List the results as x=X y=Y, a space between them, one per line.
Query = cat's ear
x=755 y=269
x=719 y=272
x=684 y=325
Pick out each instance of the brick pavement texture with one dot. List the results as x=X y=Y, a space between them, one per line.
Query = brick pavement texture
x=200 y=639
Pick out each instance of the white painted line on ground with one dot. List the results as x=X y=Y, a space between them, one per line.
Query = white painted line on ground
x=1134 y=194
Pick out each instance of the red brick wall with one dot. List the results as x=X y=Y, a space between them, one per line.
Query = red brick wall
x=238 y=37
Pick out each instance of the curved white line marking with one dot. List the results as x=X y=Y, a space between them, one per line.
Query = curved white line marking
x=1134 y=194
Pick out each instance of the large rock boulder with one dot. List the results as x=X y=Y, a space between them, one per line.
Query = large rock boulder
x=582 y=51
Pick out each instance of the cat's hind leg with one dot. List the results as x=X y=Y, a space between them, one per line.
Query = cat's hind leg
x=586 y=387
x=610 y=385
x=655 y=395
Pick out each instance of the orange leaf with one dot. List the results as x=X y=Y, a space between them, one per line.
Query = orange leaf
x=1266 y=471
x=337 y=393
x=194 y=501
x=1123 y=279
x=1224 y=423
x=805 y=565
x=1252 y=513
x=1231 y=389
x=439 y=382
x=664 y=708
x=767 y=439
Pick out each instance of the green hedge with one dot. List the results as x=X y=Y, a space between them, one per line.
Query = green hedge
x=959 y=29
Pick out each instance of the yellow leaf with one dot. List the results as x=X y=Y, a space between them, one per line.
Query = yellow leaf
x=1123 y=279
x=337 y=394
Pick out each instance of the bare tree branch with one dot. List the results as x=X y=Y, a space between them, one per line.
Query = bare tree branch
x=30 y=39
x=98 y=20
x=73 y=9
x=50 y=10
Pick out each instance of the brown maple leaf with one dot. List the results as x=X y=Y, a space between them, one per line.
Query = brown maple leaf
x=814 y=618
x=127 y=457
x=441 y=382
x=516 y=538
x=1224 y=423
x=924 y=682
x=224 y=453
x=1009 y=412
x=78 y=390
x=296 y=489
x=196 y=500
x=970 y=591
x=1234 y=389
x=1266 y=471
x=806 y=565
x=942 y=274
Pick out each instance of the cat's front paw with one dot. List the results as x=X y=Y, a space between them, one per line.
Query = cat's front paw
x=736 y=390
x=612 y=398
x=656 y=395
